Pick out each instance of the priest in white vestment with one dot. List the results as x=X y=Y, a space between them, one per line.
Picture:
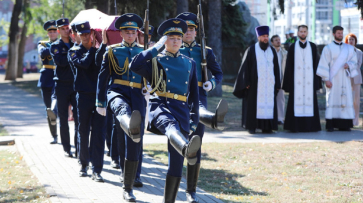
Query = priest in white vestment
x=258 y=82
x=301 y=82
x=337 y=65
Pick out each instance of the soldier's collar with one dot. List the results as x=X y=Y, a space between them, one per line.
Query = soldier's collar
x=190 y=45
x=177 y=54
x=124 y=43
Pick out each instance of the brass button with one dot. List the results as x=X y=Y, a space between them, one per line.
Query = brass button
x=176 y=96
x=168 y=80
x=191 y=49
x=131 y=84
x=186 y=82
x=133 y=77
x=166 y=69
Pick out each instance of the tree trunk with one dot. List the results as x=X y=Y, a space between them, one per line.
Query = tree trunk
x=21 y=51
x=215 y=36
x=13 y=42
x=182 y=6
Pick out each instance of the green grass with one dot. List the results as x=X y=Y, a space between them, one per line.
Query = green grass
x=296 y=172
x=17 y=184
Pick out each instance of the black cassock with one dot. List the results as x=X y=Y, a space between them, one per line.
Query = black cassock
x=300 y=124
x=247 y=76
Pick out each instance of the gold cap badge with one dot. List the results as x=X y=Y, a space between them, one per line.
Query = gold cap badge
x=176 y=21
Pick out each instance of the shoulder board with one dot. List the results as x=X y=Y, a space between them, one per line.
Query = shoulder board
x=208 y=47
x=75 y=48
x=114 y=46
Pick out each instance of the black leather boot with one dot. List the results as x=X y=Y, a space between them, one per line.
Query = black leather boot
x=171 y=188
x=129 y=177
x=186 y=148
x=131 y=125
x=53 y=131
x=192 y=179
x=51 y=116
x=214 y=120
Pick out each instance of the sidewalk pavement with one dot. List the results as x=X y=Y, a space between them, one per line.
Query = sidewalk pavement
x=23 y=116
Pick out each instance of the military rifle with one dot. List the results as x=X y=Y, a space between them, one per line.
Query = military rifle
x=202 y=42
x=146 y=27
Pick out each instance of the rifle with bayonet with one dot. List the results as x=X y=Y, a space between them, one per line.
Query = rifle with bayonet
x=146 y=27
x=202 y=43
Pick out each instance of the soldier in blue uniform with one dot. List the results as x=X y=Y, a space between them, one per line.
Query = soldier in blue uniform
x=77 y=41
x=82 y=57
x=63 y=77
x=124 y=96
x=76 y=38
x=213 y=120
x=111 y=131
x=46 y=82
x=173 y=108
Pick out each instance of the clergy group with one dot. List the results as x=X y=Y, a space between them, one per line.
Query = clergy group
x=268 y=72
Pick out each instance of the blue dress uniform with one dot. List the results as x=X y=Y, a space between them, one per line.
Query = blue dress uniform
x=124 y=98
x=137 y=182
x=46 y=82
x=174 y=106
x=193 y=51
x=85 y=83
x=64 y=90
x=111 y=132
x=74 y=71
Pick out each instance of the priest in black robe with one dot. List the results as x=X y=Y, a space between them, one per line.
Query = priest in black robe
x=301 y=82
x=258 y=82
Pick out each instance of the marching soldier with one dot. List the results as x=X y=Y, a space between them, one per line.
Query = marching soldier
x=111 y=131
x=46 y=82
x=137 y=182
x=82 y=57
x=124 y=97
x=174 y=106
x=77 y=41
x=193 y=50
x=63 y=77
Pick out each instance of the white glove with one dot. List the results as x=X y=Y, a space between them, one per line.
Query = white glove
x=160 y=43
x=207 y=86
x=146 y=90
x=101 y=111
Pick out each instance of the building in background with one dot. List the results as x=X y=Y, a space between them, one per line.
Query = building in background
x=258 y=10
x=351 y=20
x=320 y=16
x=5 y=16
x=30 y=55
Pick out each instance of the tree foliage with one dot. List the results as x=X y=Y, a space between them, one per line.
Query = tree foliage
x=43 y=10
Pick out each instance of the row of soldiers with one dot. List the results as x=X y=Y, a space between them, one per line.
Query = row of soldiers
x=267 y=72
x=115 y=80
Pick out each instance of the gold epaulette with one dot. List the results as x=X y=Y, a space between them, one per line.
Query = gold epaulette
x=113 y=46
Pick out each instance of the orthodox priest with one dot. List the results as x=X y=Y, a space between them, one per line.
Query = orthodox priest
x=258 y=82
x=301 y=82
x=337 y=65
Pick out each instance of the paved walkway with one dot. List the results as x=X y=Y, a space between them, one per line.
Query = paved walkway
x=23 y=116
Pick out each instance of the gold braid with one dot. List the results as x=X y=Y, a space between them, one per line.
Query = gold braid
x=157 y=80
x=113 y=63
